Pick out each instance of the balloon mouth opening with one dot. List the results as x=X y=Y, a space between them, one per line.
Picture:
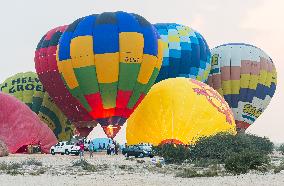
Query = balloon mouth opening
x=83 y=131
x=29 y=149
x=171 y=141
x=83 y=128
x=85 y=124
x=241 y=126
x=111 y=130
x=111 y=125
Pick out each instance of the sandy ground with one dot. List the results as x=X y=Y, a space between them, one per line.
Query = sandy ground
x=116 y=170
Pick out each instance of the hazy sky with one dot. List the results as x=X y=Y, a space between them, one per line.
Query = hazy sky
x=258 y=22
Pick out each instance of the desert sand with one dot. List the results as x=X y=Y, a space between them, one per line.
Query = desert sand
x=116 y=170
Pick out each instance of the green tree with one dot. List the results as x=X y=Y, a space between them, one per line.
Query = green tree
x=281 y=149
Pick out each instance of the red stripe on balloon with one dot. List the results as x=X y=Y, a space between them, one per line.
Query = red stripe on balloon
x=38 y=61
x=126 y=112
x=122 y=98
x=95 y=102
x=51 y=55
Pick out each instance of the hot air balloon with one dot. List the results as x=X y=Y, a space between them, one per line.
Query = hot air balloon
x=185 y=52
x=47 y=70
x=19 y=126
x=27 y=88
x=179 y=111
x=246 y=77
x=108 y=63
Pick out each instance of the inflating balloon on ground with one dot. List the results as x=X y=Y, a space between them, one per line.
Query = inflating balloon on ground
x=179 y=111
x=27 y=88
x=19 y=126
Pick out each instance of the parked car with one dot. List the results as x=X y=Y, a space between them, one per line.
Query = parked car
x=140 y=151
x=77 y=140
x=65 y=147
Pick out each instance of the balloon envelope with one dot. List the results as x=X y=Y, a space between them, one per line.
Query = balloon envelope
x=179 y=110
x=109 y=62
x=27 y=88
x=246 y=77
x=47 y=70
x=185 y=53
x=19 y=126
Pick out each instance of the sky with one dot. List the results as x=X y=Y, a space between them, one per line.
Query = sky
x=257 y=22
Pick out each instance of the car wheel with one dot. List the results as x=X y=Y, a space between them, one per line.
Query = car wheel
x=151 y=156
x=66 y=152
x=62 y=153
x=52 y=152
x=141 y=155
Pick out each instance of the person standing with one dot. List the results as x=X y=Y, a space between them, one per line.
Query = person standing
x=81 y=149
x=108 y=149
x=39 y=148
x=91 y=149
x=116 y=148
x=112 y=147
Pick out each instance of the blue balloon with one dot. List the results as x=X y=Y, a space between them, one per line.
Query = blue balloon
x=185 y=53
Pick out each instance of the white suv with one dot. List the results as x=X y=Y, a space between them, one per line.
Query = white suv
x=65 y=147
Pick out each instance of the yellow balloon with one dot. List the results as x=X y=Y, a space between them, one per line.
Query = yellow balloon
x=179 y=110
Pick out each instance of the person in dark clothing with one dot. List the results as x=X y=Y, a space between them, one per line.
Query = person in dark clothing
x=112 y=147
x=116 y=148
x=108 y=150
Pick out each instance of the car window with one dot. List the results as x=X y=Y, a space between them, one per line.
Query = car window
x=145 y=148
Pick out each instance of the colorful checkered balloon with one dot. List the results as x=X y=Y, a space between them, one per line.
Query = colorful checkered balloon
x=185 y=53
x=109 y=62
x=246 y=77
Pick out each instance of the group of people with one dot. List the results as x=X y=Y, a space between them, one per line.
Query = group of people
x=112 y=148
x=91 y=148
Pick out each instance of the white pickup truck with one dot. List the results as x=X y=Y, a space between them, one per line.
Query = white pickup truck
x=65 y=147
